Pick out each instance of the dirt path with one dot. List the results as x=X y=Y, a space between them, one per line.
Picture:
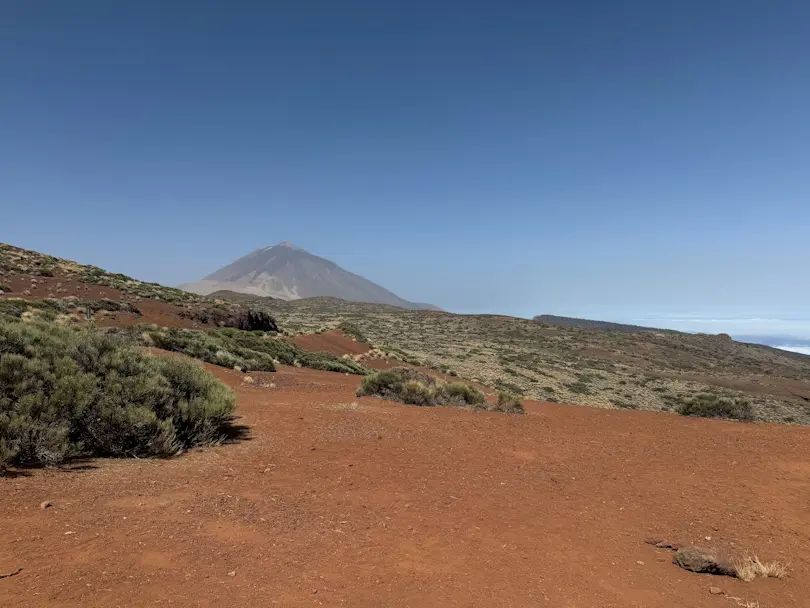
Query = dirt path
x=339 y=501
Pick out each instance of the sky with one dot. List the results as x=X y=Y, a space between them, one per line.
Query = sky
x=617 y=160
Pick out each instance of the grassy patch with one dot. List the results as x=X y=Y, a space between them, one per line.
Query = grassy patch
x=67 y=393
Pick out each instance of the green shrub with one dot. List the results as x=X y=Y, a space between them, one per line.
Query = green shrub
x=5 y=288
x=711 y=405
x=459 y=393
x=413 y=387
x=508 y=403
x=248 y=350
x=67 y=393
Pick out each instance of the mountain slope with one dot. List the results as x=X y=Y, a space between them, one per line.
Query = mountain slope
x=287 y=272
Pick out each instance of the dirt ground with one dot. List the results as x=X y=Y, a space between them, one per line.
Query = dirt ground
x=332 y=342
x=331 y=500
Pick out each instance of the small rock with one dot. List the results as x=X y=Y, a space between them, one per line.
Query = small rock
x=715 y=590
x=696 y=559
x=45 y=504
x=707 y=537
x=267 y=470
x=232 y=573
x=640 y=563
x=69 y=532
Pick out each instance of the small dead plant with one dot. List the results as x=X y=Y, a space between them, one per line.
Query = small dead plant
x=748 y=568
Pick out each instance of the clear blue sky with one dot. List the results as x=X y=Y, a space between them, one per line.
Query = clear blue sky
x=612 y=159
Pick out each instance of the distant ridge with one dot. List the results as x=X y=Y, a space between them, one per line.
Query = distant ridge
x=287 y=272
x=590 y=324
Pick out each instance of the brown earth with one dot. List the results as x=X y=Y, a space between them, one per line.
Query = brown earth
x=332 y=342
x=333 y=500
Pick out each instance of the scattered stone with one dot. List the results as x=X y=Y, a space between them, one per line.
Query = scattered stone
x=662 y=544
x=45 y=504
x=715 y=590
x=695 y=559
x=69 y=532
x=232 y=573
x=640 y=563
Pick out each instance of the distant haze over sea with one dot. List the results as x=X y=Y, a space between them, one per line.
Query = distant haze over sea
x=791 y=334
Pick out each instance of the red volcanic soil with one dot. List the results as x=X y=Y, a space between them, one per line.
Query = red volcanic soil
x=333 y=342
x=333 y=500
x=152 y=311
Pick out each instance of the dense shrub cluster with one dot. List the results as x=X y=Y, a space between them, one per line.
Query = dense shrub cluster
x=711 y=405
x=244 y=349
x=67 y=393
x=413 y=387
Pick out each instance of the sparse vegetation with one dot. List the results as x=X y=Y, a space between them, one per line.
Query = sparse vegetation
x=579 y=388
x=67 y=393
x=50 y=307
x=5 y=288
x=712 y=405
x=351 y=330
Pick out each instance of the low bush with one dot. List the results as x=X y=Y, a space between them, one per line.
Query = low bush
x=508 y=403
x=67 y=393
x=459 y=393
x=711 y=405
x=248 y=350
x=413 y=387
x=5 y=288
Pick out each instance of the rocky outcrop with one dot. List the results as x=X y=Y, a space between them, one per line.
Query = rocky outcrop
x=245 y=319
